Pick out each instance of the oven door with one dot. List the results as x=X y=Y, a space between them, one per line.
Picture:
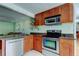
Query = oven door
x=51 y=44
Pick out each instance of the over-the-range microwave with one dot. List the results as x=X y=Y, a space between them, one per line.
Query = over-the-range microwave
x=52 y=20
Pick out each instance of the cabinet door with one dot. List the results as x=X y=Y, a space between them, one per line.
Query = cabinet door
x=34 y=42
x=25 y=43
x=39 y=19
x=28 y=43
x=42 y=20
x=36 y=23
x=71 y=47
x=38 y=43
x=46 y=14
x=66 y=13
x=66 y=47
x=64 y=51
x=55 y=11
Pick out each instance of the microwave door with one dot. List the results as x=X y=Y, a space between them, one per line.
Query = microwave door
x=57 y=19
x=53 y=20
x=50 y=21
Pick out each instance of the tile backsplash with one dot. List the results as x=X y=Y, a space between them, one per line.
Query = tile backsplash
x=65 y=28
x=68 y=28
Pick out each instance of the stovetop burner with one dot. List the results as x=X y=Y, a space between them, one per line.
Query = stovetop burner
x=53 y=34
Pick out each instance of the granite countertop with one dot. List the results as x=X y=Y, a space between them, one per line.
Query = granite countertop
x=10 y=37
x=38 y=33
x=69 y=38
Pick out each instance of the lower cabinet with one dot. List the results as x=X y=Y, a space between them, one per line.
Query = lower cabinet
x=66 y=47
x=37 y=44
x=28 y=43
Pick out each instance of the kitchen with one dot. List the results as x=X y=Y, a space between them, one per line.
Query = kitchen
x=49 y=32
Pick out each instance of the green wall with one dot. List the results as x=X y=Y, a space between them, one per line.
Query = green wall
x=24 y=26
x=6 y=27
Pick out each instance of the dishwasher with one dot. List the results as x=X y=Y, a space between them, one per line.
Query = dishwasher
x=14 y=47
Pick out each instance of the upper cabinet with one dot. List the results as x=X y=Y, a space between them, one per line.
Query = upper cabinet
x=55 y=11
x=39 y=19
x=46 y=14
x=66 y=12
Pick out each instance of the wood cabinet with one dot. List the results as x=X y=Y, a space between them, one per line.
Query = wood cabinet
x=46 y=14
x=39 y=19
x=55 y=11
x=28 y=43
x=66 y=13
x=37 y=45
x=66 y=47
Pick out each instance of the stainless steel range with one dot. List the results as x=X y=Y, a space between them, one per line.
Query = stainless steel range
x=51 y=43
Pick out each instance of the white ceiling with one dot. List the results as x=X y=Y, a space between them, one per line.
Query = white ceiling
x=37 y=7
x=9 y=15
